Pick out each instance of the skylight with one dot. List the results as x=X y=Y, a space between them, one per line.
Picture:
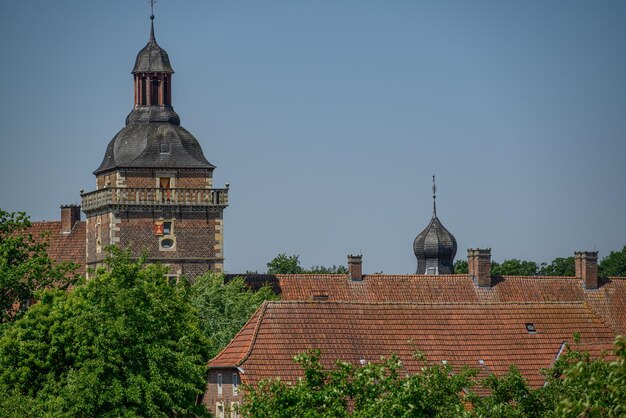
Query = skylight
x=530 y=327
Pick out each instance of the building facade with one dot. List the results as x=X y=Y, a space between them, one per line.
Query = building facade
x=154 y=188
x=475 y=319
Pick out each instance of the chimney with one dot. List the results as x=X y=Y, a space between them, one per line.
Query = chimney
x=355 y=267
x=471 y=267
x=479 y=266
x=586 y=265
x=70 y=214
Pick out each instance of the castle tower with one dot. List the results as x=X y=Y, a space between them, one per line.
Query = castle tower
x=435 y=246
x=154 y=190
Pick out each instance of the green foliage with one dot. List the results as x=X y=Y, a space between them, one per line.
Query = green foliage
x=514 y=267
x=613 y=264
x=559 y=267
x=284 y=264
x=25 y=267
x=290 y=264
x=510 y=396
x=372 y=390
x=577 y=387
x=126 y=343
x=224 y=308
x=327 y=270
x=460 y=267
x=590 y=387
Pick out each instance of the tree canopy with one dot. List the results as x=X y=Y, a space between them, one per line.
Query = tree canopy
x=224 y=308
x=514 y=267
x=290 y=264
x=578 y=386
x=613 y=264
x=126 y=343
x=25 y=266
x=559 y=267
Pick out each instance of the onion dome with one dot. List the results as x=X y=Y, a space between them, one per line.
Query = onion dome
x=435 y=247
x=153 y=137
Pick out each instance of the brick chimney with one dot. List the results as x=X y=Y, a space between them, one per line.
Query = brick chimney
x=70 y=214
x=586 y=266
x=479 y=265
x=355 y=267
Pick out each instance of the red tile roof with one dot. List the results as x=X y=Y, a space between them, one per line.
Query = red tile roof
x=459 y=333
x=609 y=301
x=62 y=247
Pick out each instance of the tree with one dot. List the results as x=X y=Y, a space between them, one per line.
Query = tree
x=373 y=390
x=614 y=264
x=586 y=387
x=327 y=270
x=25 y=266
x=559 y=267
x=125 y=343
x=224 y=308
x=460 y=267
x=284 y=264
x=290 y=264
x=514 y=267
x=578 y=386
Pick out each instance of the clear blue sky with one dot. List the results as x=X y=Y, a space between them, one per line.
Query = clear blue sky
x=329 y=117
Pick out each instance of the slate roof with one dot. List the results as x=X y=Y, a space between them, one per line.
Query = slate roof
x=459 y=333
x=62 y=247
x=138 y=144
x=435 y=242
x=152 y=58
x=609 y=301
x=153 y=137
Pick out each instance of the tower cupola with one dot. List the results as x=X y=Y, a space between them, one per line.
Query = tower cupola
x=153 y=137
x=435 y=247
x=153 y=74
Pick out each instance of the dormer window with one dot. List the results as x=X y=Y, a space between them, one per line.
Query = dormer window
x=165 y=148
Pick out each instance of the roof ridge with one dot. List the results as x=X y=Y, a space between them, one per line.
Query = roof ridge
x=536 y=277
x=238 y=333
x=345 y=302
x=262 y=308
x=593 y=313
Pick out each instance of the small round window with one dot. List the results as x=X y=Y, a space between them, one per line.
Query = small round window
x=167 y=243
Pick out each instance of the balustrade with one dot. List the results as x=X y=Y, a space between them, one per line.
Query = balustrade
x=126 y=196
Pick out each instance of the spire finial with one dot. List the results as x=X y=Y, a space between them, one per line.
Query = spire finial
x=152 y=20
x=434 y=197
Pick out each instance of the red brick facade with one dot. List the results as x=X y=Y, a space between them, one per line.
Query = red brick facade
x=223 y=401
x=192 y=241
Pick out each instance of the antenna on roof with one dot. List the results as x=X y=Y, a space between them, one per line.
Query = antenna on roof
x=434 y=197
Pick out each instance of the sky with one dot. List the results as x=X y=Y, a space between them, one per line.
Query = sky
x=328 y=118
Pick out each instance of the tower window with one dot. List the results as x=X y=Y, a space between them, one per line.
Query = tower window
x=165 y=148
x=167 y=243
